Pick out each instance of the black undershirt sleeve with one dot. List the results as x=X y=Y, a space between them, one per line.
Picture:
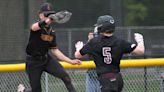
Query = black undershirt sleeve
x=128 y=47
x=86 y=49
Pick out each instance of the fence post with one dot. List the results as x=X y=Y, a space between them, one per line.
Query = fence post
x=46 y=82
x=70 y=43
x=162 y=82
x=145 y=75
x=145 y=78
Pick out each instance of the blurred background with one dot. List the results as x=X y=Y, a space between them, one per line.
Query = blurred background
x=143 y=16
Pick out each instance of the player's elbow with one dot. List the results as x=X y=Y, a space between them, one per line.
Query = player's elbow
x=142 y=51
x=139 y=50
x=77 y=55
x=35 y=27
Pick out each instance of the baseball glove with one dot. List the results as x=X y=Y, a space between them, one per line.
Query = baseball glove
x=61 y=17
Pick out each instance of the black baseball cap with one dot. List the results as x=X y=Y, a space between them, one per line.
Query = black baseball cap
x=46 y=7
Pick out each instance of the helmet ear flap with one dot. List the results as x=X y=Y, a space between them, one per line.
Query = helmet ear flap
x=102 y=28
x=99 y=29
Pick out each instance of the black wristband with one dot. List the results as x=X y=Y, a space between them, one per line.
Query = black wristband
x=42 y=24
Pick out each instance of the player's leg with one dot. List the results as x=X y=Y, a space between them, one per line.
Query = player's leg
x=120 y=82
x=55 y=68
x=104 y=82
x=34 y=78
x=111 y=82
x=34 y=73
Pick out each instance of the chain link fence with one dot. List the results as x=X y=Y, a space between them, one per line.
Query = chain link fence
x=146 y=79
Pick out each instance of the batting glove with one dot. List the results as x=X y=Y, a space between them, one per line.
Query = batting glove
x=138 y=37
x=79 y=45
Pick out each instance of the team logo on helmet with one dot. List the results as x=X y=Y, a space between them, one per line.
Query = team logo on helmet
x=112 y=21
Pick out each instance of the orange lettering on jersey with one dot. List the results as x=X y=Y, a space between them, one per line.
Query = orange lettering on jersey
x=45 y=37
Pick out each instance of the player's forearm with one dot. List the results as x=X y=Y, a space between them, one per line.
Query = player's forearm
x=140 y=49
x=78 y=55
x=60 y=55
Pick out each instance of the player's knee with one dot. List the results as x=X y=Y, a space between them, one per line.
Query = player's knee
x=36 y=88
x=66 y=79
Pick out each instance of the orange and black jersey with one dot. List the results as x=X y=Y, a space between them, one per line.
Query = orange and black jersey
x=41 y=41
x=107 y=52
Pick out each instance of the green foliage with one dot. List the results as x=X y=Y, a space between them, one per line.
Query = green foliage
x=135 y=12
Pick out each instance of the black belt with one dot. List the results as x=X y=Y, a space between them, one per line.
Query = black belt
x=108 y=75
x=38 y=57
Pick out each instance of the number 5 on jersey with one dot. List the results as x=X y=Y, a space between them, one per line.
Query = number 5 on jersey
x=107 y=55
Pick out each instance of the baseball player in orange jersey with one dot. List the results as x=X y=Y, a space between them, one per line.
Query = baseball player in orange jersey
x=43 y=39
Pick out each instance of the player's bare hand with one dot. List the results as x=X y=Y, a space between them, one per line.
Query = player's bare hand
x=79 y=45
x=76 y=61
x=138 y=37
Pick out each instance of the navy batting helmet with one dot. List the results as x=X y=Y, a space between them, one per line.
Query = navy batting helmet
x=105 y=23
